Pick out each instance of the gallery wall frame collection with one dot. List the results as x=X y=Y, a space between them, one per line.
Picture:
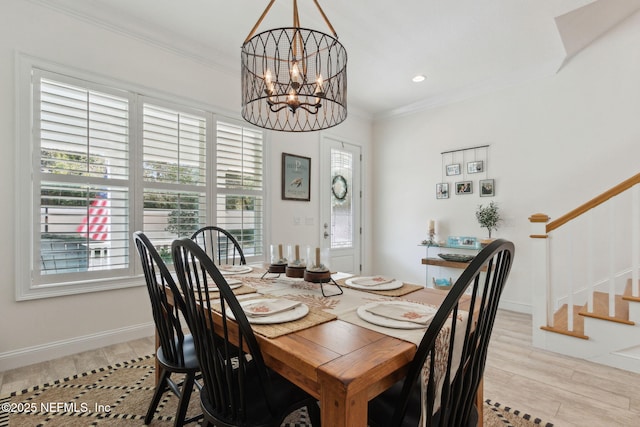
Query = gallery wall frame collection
x=462 y=166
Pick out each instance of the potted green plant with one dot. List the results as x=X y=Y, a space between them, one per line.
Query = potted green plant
x=488 y=217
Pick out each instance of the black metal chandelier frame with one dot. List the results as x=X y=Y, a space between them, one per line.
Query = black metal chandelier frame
x=294 y=79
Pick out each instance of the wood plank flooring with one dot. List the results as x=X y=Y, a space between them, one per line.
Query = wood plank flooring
x=559 y=389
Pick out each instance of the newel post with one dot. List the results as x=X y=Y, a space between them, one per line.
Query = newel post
x=541 y=294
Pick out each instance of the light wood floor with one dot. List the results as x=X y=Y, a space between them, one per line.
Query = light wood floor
x=556 y=388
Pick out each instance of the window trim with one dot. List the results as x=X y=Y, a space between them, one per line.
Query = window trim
x=128 y=183
x=25 y=198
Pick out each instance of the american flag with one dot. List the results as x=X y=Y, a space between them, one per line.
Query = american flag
x=96 y=224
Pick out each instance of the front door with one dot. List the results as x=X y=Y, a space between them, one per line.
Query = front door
x=341 y=204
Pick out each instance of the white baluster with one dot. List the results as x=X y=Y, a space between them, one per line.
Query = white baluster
x=612 y=258
x=590 y=261
x=570 y=279
x=635 y=240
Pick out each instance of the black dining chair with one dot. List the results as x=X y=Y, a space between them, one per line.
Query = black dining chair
x=220 y=245
x=176 y=354
x=238 y=389
x=447 y=372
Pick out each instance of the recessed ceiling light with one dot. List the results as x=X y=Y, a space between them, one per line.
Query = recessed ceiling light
x=419 y=78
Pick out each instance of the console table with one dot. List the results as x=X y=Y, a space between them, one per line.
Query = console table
x=437 y=267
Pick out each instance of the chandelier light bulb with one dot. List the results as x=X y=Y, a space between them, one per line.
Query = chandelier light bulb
x=292 y=100
x=319 y=83
x=269 y=85
x=296 y=79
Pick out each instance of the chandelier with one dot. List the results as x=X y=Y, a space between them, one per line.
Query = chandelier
x=294 y=79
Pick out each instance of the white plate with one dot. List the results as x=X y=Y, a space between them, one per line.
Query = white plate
x=396 y=284
x=233 y=284
x=295 y=313
x=386 y=322
x=227 y=269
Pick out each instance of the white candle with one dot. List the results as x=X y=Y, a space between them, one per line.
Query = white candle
x=432 y=226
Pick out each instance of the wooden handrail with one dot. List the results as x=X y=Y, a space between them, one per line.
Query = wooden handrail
x=623 y=186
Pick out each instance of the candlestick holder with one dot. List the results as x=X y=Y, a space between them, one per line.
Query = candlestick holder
x=322 y=277
x=295 y=267
x=278 y=262
x=319 y=272
x=432 y=238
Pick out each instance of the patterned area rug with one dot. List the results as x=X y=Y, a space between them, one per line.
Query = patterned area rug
x=119 y=395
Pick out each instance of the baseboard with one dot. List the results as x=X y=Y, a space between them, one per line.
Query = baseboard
x=515 y=306
x=53 y=350
x=620 y=361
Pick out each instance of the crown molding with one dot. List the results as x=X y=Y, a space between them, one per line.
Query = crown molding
x=142 y=31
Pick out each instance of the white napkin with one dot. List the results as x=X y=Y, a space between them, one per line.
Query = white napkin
x=231 y=267
x=404 y=312
x=230 y=282
x=269 y=307
x=228 y=269
x=372 y=281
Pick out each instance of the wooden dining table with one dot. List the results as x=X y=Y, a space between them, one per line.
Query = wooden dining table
x=345 y=365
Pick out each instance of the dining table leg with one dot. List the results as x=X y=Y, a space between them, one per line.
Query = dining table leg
x=155 y=359
x=341 y=408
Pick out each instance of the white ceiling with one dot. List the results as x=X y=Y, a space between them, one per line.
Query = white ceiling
x=463 y=47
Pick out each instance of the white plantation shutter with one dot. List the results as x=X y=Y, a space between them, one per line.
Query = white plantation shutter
x=175 y=174
x=106 y=162
x=84 y=178
x=240 y=188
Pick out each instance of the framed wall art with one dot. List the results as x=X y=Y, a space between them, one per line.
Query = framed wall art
x=487 y=188
x=464 y=187
x=453 y=169
x=475 y=167
x=296 y=176
x=442 y=190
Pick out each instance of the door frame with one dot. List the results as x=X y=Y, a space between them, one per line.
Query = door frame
x=326 y=143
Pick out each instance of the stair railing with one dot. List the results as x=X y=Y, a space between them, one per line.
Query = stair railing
x=595 y=247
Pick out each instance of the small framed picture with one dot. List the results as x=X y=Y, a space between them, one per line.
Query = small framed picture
x=475 y=167
x=296 y=175
x=442 y=190
x=487 y=188
x=453 y=169
x=464 y=187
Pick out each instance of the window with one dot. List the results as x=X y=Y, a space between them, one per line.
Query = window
x=240 y=189
x=106 y=162
x=174 y=165
x=84 y=179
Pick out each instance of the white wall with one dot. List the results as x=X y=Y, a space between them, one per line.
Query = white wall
x=42 y=329
x=555 y=143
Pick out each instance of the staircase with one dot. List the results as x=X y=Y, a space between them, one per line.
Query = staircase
x=586 y=268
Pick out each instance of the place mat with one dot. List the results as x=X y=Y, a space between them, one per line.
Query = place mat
x=315 y=317
x=242 y=290
x=406 y=288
